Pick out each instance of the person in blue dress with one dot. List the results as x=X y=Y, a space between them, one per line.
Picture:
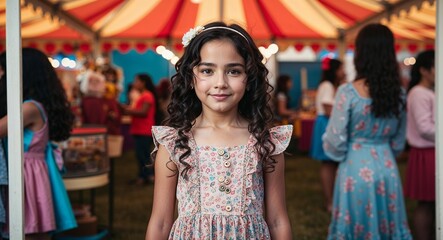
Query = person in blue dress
x=365 y=132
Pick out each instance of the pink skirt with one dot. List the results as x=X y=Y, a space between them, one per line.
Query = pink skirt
x=420 y=174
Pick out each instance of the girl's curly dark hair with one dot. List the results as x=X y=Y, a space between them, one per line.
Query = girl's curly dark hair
x=40 y=83
x=425 y=60
x=376 y=62
x=185 y=107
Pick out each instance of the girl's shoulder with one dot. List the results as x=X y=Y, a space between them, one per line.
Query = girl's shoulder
x=161 y=132
x=280 y=136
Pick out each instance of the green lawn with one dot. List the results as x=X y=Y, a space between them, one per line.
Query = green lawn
x=304 y=199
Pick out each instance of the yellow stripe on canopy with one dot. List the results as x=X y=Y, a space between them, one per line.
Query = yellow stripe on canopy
x=75 y=4
x=304 y=12
x=416 y=15
x=373 y=6
x=208 y=11
x=404 y=32
x=335 y=21
x=234 y=12
x=41 y=27
x=132 y=12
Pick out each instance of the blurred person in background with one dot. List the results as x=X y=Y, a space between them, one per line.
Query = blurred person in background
x=282 y=99
x=332 y=76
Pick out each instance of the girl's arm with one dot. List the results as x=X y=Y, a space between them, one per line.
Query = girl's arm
x=142 y=112
x=162 y=215
x=31 y=117
x=275 y=201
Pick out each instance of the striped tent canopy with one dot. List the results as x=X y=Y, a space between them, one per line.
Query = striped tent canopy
x=68 y=25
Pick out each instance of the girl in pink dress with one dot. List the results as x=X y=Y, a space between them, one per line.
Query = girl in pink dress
x=420 y=132
x=217 y=154
x=46 y=117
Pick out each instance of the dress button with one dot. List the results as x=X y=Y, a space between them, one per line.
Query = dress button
x=222 y=188
x=227 y=181
x=221 y=179
x=220 y=152
x=228 y=208
x=226 y=156
x=227 y=164
x=228 y=190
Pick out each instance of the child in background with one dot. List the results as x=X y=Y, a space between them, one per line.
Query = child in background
x=217 y=151
x=281 y=99
x=46 y=117
x=332 y=76
x=143 y=115
x=420 y=173
x=365 y=132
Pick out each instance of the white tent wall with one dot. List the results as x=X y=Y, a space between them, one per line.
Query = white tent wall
x=15 y=131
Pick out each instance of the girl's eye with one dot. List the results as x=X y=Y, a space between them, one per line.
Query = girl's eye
x=235 y=72
x=206 y=71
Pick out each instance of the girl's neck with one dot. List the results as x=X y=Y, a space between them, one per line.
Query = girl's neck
x=426 y=84
x=220 y=121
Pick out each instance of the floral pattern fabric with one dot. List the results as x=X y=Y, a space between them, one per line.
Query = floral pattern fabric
x=224 y=195
x=368 y=198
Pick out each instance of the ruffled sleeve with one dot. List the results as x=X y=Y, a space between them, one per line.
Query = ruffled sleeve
x=166 y=136
x=280 y=137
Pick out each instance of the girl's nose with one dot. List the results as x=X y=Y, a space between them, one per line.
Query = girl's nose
x=221 y=80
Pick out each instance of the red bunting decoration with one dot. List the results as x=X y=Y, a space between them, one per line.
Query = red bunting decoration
x=397 y=47
x=50 y=48
x=331 y=47
x=124 y=47
x=106 y=47
x=429 y=46
x=2 y=47
x=85 y=47
x=299 y=47
x=351 y=46
x=67 y=48
x=178 y=47
x=141 y=47
x=412 y=47
x=315 y=47
x=155 y=45
x=32 y=45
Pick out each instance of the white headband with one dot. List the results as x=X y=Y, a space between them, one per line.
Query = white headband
x=193 y=32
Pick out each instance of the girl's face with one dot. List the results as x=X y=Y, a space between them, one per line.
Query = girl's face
x=428 y=75
x=138 y=84
x=341 y=75
x=220 y=77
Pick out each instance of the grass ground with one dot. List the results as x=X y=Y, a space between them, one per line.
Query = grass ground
x=304 y=199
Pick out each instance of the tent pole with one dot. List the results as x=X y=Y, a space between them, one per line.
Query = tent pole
x=15 y=136
x=439 y=119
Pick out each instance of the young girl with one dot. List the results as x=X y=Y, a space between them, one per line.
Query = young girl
x=365 y=132
x=420 y=173
x=217 y=153
x=143 y=115
x=46 y=117
x=282 y=99
x=332 y=76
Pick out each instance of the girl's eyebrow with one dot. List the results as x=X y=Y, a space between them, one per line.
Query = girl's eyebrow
x=227 y=65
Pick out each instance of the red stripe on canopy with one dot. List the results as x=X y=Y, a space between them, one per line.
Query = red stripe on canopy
x=186 y=19
x=92 y=12
x=256 y=24
x=347 y=11
x=172 y=20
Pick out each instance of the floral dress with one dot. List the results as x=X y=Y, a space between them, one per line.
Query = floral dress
x=223 y=197
x=368 y=198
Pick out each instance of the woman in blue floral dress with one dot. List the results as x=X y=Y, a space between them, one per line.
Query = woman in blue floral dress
x=365 y=132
